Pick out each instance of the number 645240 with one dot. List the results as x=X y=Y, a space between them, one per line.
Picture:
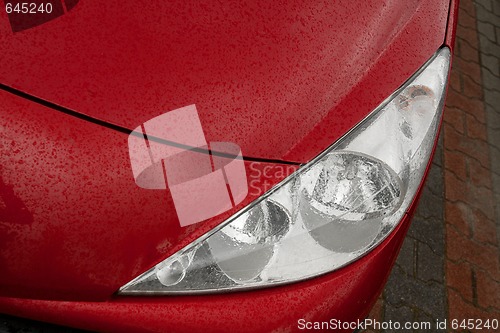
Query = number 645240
x=28 y=8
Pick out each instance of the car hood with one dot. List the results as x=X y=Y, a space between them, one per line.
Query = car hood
x=281 y=80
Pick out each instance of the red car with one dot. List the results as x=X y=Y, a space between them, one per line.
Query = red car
x=224 y=166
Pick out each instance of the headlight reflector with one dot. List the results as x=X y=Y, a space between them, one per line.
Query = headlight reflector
x=330 y=212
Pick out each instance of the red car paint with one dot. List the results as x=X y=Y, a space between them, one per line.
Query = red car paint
x=346 y=295
x=314 y=68
x=281 y=82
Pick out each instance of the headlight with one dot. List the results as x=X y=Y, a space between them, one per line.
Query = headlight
x=330 y=212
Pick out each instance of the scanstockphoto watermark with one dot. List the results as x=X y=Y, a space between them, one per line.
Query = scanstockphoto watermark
x=261 y=177
x=438 y=325
x=488 y=325
x=335 y=324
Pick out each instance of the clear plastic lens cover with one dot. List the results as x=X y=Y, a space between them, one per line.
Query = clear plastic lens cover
x=332 y=211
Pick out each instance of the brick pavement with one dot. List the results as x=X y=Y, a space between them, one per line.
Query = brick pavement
x=449 y=265
x=489 y=38
x=472 y=252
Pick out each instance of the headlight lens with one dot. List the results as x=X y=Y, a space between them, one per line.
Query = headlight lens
x=330 y=212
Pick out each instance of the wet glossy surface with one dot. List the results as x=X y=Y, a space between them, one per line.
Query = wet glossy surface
x=344 y=295
x=281 y=81
x=73 y=222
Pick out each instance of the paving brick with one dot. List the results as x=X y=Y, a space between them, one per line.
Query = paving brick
x=471 y=88
x=468 y=68
x=466 y=104
x=437 y=159
x=460 y=310
x=495 y=150
x=466 y=19
x=400 y=314
x=469 y=7
x=456 y=118
x=463 y=102
x=460 y=248
x=490 y=81
x=481 y=198
x=494 y=135
x=496 y=7
x=406 y=258
x=488 y=291
x=484 y=229
x=493 y=117
x=429 y=265
x=404 y=291
x=468 y=34
x=477 y=110
x=484 y=15
x=467 y=51
x=492 y=97
x=435 y=185
x=454 y=188
x=430 y=231
x=488 y=47
x=478 y=174
x=459 y=277
x=455 y=81
x=497 y=199
x=459 y=215
x=486 y=29
x=475 y=129
x=495 y=162
x=474 y=148
x=491 y=63
x=456 y=163
x=432 y=206
x=496 y=182
x=433 y=191
x=485 y=3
